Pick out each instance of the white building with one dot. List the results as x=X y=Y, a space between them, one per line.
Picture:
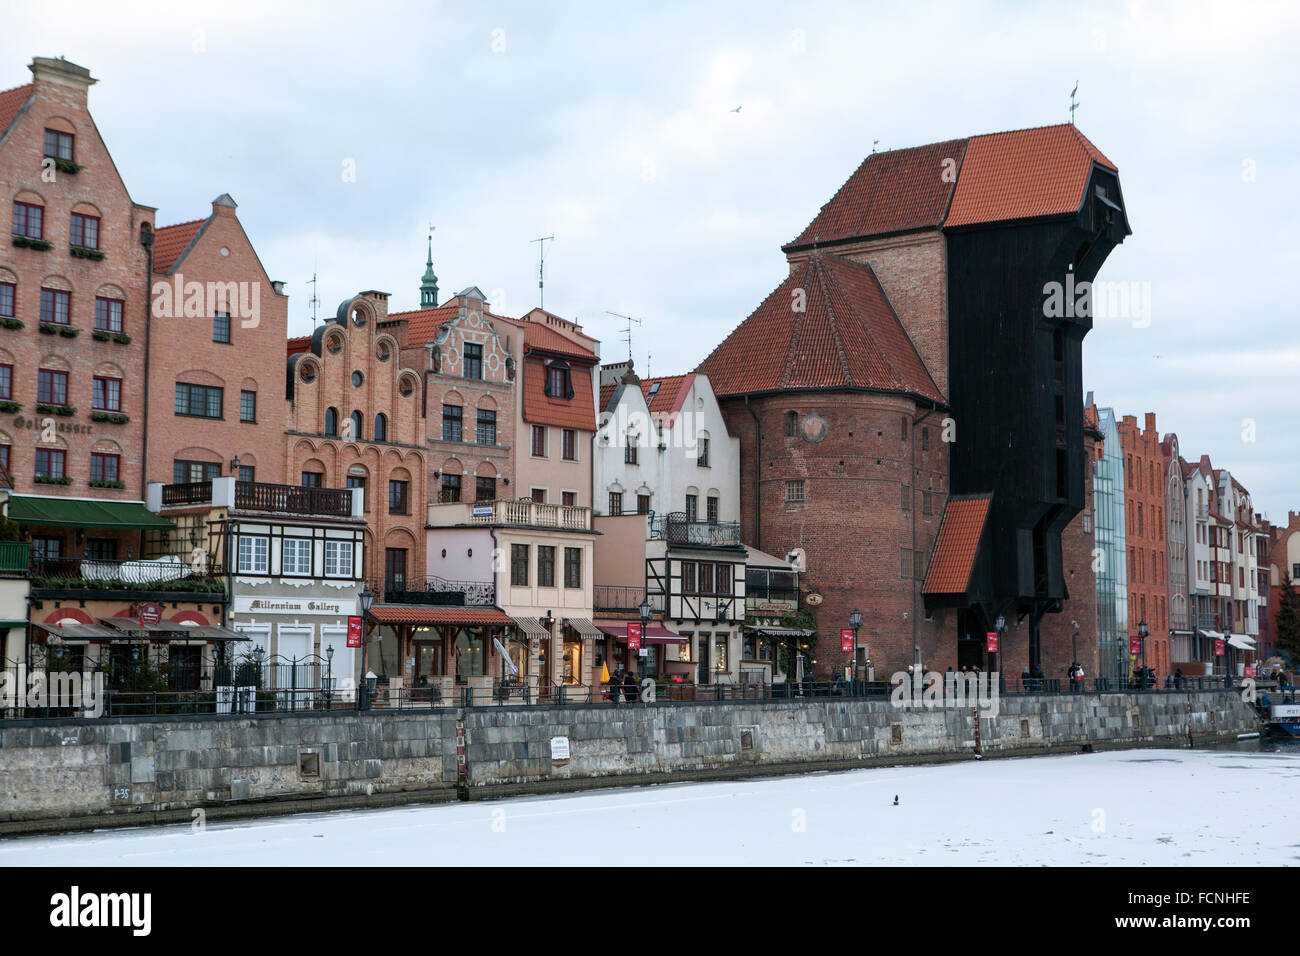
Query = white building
x=662 y=446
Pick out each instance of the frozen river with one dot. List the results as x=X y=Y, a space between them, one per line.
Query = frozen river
x=1136 y=807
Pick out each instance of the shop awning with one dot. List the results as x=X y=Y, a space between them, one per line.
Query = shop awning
x=1242 y=642
x=532 y=628
x=651 y=634
x=215 y=633
x=1212 y=635
x=432 y=614
x=1178 y=633
x=71 y=631
x=781 y=631
x=75 y=513
x=586 y=628
x=130 y=627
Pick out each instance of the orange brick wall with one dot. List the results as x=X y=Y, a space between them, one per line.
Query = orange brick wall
x=1145 y=501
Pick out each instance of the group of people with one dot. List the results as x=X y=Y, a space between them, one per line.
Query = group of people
x=622 y=684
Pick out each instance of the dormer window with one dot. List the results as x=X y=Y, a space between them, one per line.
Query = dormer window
x=58 y=145
x=558 y=382
x=473 y=360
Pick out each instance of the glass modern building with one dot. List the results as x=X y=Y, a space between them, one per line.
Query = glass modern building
x=1111 y=554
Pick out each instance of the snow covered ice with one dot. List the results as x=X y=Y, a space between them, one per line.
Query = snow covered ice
x=1135 y=807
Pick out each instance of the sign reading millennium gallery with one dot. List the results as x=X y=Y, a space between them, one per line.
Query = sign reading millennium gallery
x=292 y=605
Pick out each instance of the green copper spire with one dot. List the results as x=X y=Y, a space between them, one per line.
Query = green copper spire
x=429 y=284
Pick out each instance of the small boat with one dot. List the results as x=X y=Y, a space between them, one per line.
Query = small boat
x=1284 y=720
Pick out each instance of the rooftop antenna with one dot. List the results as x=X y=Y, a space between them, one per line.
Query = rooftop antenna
x=627 y=333
x=541 y=269
x=1073 y=105
x=874 y=144
x=314 y=301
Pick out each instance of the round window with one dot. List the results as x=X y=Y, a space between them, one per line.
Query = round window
x=358 y=318
x=383 y=352
x=406 y=388
x=334 y=343
x=357 y=379
x=308 y=373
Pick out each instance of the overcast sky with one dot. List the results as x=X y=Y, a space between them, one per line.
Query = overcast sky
x=610 y=127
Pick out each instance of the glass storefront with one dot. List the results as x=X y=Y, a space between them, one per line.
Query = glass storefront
x=572 y=660
x=1112 y=568
x=470 y=651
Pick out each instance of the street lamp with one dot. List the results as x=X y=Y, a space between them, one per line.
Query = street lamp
x=855 y=622
x=329 y=674
x=367 y=599
x=1143 y=634
x=547 y=622
x=1000 y=625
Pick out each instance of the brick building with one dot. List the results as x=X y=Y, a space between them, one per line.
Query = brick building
x=216 y=373
x=916 y=343
x=1148 y=560
x=356 y=420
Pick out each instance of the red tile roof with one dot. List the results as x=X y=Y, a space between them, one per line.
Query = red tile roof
x=1019 y=174
x=666 y=400
x=541 y=338
x=606 y=394
x=299 y=344
x=11 y=103
x=847 y=336
x=170 y=243
x=406 y=614
x=957 y=544
x=422 y=324
x=540 y=409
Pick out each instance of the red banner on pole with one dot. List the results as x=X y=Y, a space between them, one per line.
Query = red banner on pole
x=354 y=631
x=992 y=637
x=1218 y=647
x=846 y=640
x=633 y=636
x=1134 y=646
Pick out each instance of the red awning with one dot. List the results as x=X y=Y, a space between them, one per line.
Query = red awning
x=651 y=634
x=435 y=614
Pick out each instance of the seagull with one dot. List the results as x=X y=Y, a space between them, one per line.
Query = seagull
x=736 y=110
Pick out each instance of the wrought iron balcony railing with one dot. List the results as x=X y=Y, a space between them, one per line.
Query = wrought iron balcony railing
x=624 y=597
x=261 y=496
x=96 y=574
x=678 y=528
x=433 y=590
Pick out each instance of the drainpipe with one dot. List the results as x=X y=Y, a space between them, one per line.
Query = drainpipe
x=916 y=594
x=146 y=240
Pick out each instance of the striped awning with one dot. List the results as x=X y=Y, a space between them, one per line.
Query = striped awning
x=532 y=628
x=586 y=628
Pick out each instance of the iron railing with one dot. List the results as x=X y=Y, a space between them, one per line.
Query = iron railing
x=293 y=499
x=433 y=590
x=155 y=574
x=15 y=556
x=624 y=597
x=187 y=493
x=678 y=528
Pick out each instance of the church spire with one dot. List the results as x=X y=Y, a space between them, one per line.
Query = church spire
x=429 y=284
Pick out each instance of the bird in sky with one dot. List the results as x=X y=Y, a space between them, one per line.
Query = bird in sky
x=736 y=110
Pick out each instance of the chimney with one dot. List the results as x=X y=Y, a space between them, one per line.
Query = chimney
x=48 y=70
x=1151 y=421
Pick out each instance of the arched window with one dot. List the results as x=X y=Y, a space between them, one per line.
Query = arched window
x=381 y=427
x=357 y=431
x=332 y=421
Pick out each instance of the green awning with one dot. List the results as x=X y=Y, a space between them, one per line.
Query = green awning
x=78 y=513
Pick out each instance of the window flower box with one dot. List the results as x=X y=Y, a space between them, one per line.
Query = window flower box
x=67 y=166
x=46 y=480
x=68 y=332
x=111 y=418
x=121 y=338
x=56 y=409
x=49 y=328
x=99 y=335
x=107 y=484
x=24 y=242
x=10 y=407
x=85 y=252
x=10 y=323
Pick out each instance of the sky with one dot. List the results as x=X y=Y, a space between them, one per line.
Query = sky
x=344 y=131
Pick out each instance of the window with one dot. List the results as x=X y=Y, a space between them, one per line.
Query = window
x=452 y=418
x=201 y=401
x=918 y=565
x=101 y=549
x=56 y=306
x=692 y=507
x=50 y=463
x=569 y=499
x=359 y=482
x=332 y=422
x=905 y=562
x=568 y=447
x=704 y=577
x=450 y=488
x=338 y=559
x=573 y=567
x=395 y=569
x=46 y=549
x=927 y=503
x=485 y=488
x=539 y=441
x=473 y=360
x=186 y=472
x=616 y=502
x=221 y=327
x=6 y=382
x=357 y=379
x=84 y=231
x=925 y=438
x=630 y=450
x=313 y=479
x=58 y=145
x=558 y=384
x=642 y=504
x=519 y=565
x=907 y=497
x=8 y=298
x=254 y=554
x=295 y=556
x=108 y=314
x=545 y=566
x=539 y=495
x=247 y=474
x=688 y=577
x=356 y=431
x=794 y=491
x=487 y=426
x=247 y=406
x=381 y=427
x=106 y=394
x=29 y=220
x=51 y=387
x=711 y=509
x=397 y=503
x=903 y=419
x=722 y=579
x=791 y=424
x=703 y=459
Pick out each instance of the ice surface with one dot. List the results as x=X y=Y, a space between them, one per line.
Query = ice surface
x=1137 y=807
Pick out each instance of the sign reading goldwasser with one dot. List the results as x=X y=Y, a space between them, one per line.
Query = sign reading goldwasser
x=292 y=605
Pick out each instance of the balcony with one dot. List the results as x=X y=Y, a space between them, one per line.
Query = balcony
x=679 y=529
x=522 y=512
x=435 y=591
x=257 y=496
x=625 y=598
x=14 y=557
x=158 y=574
